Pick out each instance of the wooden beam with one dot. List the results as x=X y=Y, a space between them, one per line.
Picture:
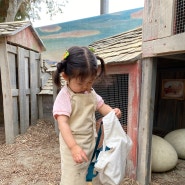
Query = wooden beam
x=23 y=106
x=6 y=90
x=149 y=67
x=34 y=86
x=165 y=46
x=133 y=116
x=12 y=59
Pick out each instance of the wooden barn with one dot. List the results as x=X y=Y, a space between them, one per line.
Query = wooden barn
x=162 y=106
x=20 y=51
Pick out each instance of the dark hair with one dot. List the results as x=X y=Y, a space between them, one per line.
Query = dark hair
x=81 y=62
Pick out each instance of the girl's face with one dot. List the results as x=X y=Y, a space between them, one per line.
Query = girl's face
x=79 y=86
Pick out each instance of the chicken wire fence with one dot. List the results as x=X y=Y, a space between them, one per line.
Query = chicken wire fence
x=179 y=23
x=115 y=94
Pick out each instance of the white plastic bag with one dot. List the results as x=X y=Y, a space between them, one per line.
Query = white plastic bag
x=111 y=161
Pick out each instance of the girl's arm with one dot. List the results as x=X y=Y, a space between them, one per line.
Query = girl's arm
x=105 y=109
x=78 y=154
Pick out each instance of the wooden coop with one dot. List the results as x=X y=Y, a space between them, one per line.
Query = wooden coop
x=122 y=55
x=162 y=108
x=20 y=51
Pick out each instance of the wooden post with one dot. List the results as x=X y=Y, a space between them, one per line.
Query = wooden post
x=149 y=68
x=34 y=82
x=7 y=93
x=12 y=59
x=23 y=106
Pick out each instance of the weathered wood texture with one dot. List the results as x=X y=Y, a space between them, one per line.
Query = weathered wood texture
x=20 y=48
x=158 y=19
x=21 y=67
x=149 y=67
x=23 y=34
x=21 y=39
x=34 y=84
x=7 y=93
x=164 y=46
x=134 y=71
x=122 y=48
x=158 y=29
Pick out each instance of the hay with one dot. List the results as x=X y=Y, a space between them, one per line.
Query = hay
x=176 y=176
x=34 y=158
x=128 y=181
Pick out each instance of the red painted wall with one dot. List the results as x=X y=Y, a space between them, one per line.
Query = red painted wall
x=134 y=71
x=25 y=38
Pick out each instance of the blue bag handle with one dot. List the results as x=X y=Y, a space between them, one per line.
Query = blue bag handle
x=90 y=173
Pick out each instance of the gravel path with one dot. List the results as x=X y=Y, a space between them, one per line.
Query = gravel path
x=34 y=159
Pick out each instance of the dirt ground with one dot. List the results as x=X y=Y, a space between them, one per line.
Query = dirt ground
x=34 y=159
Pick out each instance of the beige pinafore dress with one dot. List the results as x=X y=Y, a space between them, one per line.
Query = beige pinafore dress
x=82 y=124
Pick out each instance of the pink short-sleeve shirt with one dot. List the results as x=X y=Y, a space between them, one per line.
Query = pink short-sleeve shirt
x=62 y=104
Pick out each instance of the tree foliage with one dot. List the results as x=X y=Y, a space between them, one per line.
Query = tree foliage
x=12 y=10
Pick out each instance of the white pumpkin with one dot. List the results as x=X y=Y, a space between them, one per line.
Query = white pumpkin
x=177 y=139
x=164 y=156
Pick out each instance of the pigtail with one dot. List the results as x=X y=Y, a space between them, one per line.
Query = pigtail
x=56 y=75
x=102 y=76
x=103 y=69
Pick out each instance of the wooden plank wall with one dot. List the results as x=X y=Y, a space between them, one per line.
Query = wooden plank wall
x=158 y=19
x=7 y=93
x=22 y=84
x=169 y=113
x=20 y=73
x=14 y=83
x=35 y=84
x=158 y=23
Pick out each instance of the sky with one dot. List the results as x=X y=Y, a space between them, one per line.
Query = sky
x=79 y=9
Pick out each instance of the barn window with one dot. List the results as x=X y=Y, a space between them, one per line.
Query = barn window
x=115 y=93
x=179 y=26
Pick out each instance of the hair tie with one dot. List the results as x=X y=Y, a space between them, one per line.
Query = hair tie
x=92 y=49
x=66 y=54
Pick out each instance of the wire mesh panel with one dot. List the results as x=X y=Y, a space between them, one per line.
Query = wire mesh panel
x=179 y=26
x=115 y=94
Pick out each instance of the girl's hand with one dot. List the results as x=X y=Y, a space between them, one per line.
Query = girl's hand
x=78 y=154
x=117 y=112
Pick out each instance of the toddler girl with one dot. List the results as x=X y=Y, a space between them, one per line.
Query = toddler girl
x=74 y=109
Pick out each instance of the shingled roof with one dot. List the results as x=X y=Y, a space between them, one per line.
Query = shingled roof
x=48 y=87
x=122 y=48
x=12 y=28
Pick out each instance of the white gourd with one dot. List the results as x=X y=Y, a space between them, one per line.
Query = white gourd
x=163 y=156
x=177 y=139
